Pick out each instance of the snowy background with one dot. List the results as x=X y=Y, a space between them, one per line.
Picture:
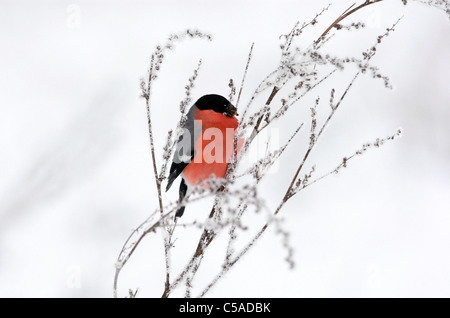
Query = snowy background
x=75 y=166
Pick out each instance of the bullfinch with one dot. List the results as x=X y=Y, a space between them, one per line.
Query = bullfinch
x=205 y=147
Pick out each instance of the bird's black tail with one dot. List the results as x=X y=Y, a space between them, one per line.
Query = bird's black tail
x=175 y=170
x=183 y=190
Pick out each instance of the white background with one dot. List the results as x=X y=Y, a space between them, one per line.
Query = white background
x=75 y=166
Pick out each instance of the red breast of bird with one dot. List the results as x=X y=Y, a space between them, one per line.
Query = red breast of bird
x=213 y=147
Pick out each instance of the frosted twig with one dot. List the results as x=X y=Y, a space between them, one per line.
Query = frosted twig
x=232 y=90
x=345 y=14
x=345 y=160
x=245 y=74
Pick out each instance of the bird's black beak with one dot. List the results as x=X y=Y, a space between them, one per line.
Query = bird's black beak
x=231 y=111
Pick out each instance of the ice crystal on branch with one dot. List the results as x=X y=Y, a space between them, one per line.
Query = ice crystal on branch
x=161 y=50
x=444 y=5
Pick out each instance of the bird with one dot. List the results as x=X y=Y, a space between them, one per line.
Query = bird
x=205 y=146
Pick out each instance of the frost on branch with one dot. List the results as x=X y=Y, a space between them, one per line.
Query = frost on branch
x=444 y=5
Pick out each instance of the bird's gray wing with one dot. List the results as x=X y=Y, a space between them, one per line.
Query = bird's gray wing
x=185 y=150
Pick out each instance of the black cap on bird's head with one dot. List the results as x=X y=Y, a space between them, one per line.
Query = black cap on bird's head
x=216 y=103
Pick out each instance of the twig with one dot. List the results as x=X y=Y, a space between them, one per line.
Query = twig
x=245 y=74
x=345 y=14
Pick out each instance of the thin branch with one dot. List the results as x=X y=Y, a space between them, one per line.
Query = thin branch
x=155 y=171
x=345 y=14
x=150 y=131
x=345 y=160
x=245 y=74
